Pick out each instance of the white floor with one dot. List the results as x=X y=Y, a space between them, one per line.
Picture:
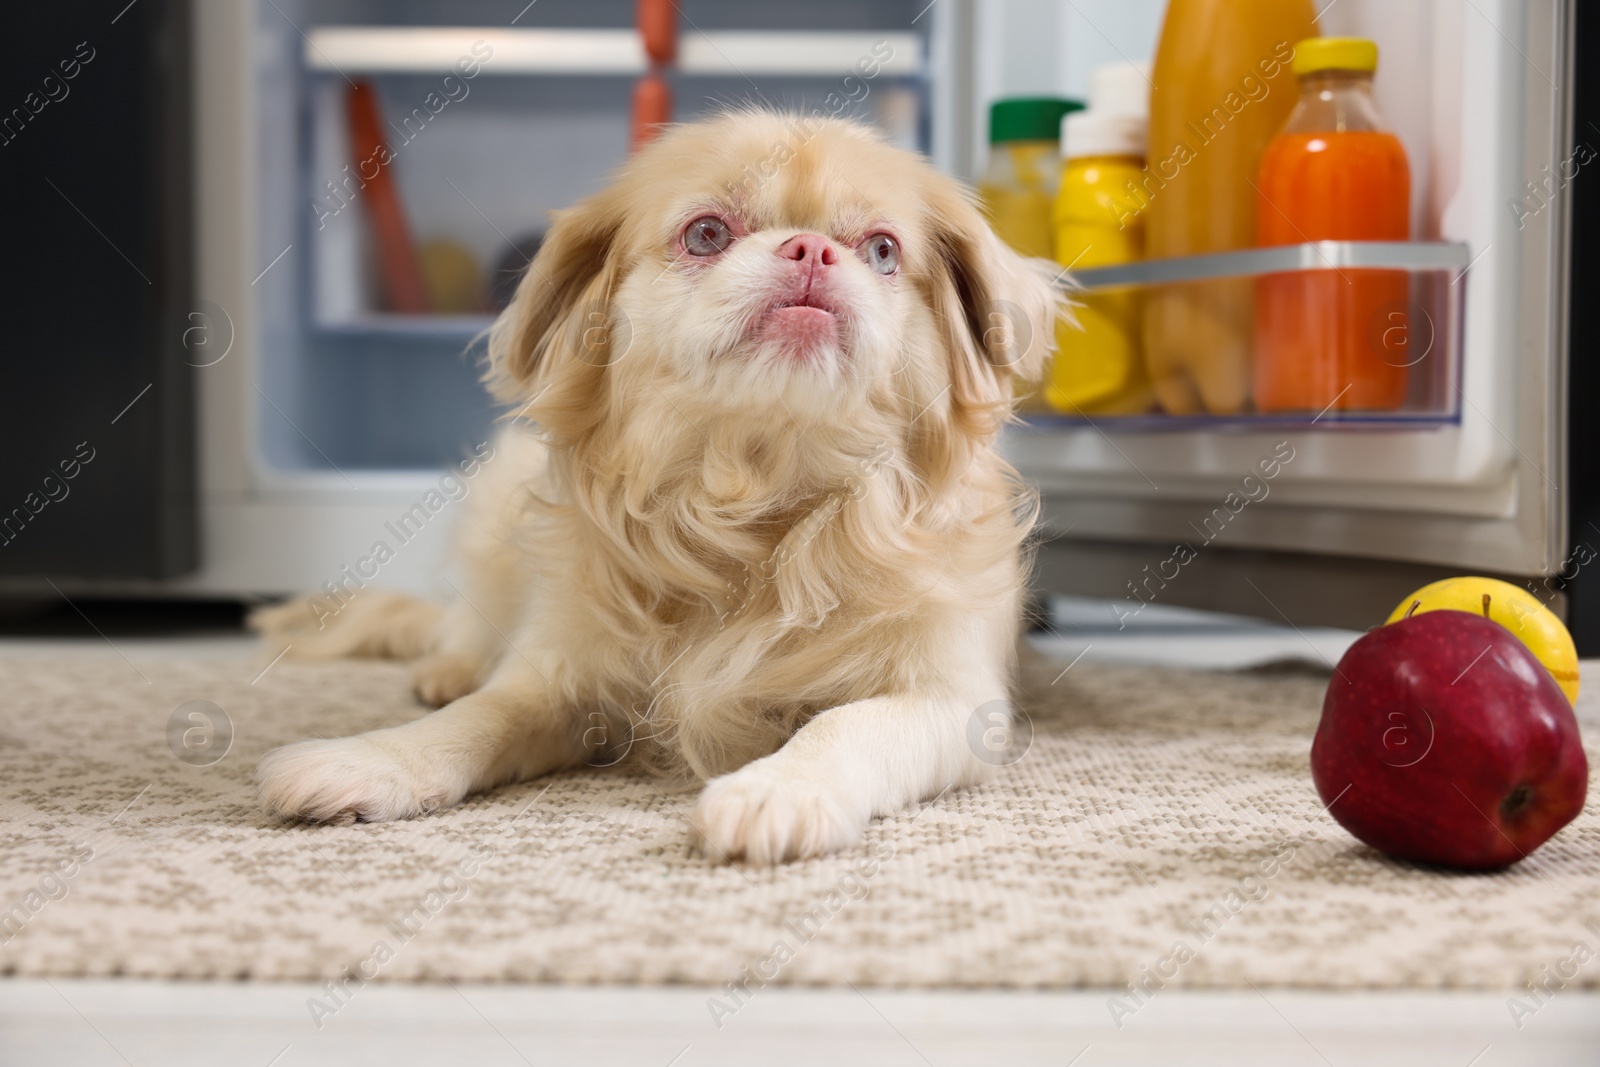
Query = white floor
x=66 y=1023
x=70 y=1023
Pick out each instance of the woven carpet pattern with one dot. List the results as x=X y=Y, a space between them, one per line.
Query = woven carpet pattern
x=1154 y=809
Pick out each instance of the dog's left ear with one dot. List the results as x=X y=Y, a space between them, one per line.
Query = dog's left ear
x=549 y=348
x=998 y=309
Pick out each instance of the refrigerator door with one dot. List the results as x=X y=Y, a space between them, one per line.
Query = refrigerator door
x=1352 y=517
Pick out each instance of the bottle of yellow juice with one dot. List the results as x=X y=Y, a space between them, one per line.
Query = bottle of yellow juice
x=1222 y=89
x=1099 y=366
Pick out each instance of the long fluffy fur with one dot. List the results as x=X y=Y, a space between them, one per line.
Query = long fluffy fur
x=696 y=554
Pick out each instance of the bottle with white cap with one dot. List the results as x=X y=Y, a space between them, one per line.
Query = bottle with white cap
x=1099 y=367
x=1121 y=88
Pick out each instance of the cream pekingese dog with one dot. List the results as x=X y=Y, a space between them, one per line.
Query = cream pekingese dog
x=759 y=531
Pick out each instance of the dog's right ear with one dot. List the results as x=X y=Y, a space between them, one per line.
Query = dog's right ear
x=553 y=341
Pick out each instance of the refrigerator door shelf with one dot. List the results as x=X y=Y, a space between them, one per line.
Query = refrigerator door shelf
x=1420 y=334
x=1316 y=255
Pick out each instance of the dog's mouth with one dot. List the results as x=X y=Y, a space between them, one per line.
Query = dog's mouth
x=802 y=323
x=804 y=313
x=808 y=307
x=808 y=299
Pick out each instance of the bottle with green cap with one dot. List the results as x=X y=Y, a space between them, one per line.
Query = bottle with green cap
x=1019 y=186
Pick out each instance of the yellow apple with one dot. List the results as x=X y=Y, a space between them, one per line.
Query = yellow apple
x=1516 y=609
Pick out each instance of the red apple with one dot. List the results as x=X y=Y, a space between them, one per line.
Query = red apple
x=1444 y=740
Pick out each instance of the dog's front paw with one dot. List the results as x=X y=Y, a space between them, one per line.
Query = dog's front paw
x=767 y=813
x=444 y=677
x=343 y=781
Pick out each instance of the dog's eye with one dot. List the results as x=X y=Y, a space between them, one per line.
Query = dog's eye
x=706 y=236
x=881 y=252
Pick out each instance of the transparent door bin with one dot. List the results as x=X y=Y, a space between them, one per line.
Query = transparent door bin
x=1380 y=347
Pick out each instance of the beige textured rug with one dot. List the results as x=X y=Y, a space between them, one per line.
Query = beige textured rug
x=1144 y=816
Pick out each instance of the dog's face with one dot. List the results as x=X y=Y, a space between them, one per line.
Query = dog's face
x=774 y=269
x=771 y=290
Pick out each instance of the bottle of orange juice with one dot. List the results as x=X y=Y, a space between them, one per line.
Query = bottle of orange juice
x=1222 y=88
x=1334 y=174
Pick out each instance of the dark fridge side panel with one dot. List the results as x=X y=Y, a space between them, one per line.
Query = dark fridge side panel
x=97 y=463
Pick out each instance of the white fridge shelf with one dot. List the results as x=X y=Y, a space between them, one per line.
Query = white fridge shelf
x=425 y=50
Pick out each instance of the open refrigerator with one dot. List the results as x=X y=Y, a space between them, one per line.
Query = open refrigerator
x=327 y=418
x=324 y=414
x=1469 y=475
